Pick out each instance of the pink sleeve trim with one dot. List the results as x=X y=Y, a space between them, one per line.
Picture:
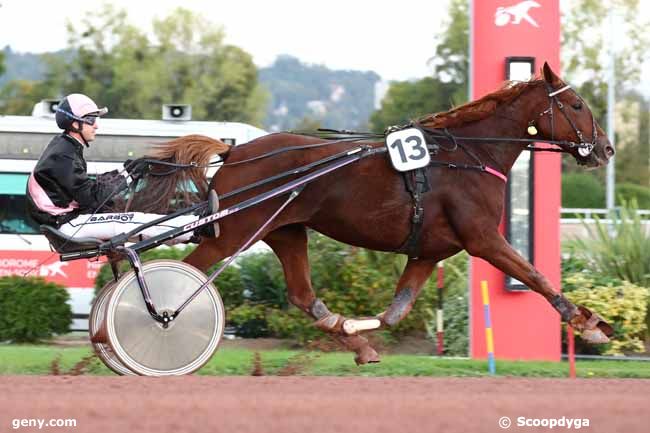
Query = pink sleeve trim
x=43 y=201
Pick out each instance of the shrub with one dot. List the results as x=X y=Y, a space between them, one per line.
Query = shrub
x=456 y=325
x=177 y=253
x=228 y=284
x=620 y=249
x=250 y=320
x=627 y=192
x=621 y=304
x=32 y=309
x=455 y=307
x=582 y=190
x=574 y=265
x=262 y=279
x=293 y=324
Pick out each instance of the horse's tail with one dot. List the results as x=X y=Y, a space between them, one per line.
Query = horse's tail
x=168 y=188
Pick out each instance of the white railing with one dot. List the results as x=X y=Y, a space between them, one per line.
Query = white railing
x=568 y=215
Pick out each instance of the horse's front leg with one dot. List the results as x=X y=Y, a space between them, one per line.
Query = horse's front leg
x=499 y=253
x=415 y=274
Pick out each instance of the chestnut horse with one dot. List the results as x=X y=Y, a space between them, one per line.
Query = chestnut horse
x=366 y=203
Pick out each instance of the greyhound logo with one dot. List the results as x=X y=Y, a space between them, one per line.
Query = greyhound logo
x=53 y=269
x=516 y=13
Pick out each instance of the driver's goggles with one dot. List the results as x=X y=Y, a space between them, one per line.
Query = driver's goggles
x=90 y=120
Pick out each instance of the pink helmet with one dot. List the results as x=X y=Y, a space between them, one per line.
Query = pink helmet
x=75 y=107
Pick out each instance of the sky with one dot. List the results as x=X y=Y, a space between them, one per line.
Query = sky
x=394 y=39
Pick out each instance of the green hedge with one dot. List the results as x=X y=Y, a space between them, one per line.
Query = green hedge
x=229 y=283
x=32 y=309
x=176 y=253
x=628 y=192
x=582 y=190
x=455 y=306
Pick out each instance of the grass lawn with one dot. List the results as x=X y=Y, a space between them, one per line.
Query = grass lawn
x=42 y=359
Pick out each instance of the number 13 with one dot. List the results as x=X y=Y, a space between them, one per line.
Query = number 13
x=416 y=146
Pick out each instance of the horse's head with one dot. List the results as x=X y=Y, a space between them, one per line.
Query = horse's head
x=565 y=117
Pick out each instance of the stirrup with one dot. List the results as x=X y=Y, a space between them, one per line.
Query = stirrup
x=210 y=230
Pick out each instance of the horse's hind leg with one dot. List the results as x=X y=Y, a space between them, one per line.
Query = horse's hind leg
x=415 y=274
x=205 y=255
x=290 y=245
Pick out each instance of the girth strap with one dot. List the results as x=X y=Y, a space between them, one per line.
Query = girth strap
x=417 y=183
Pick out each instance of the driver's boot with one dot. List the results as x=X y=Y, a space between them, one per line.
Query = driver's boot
x=210 y=230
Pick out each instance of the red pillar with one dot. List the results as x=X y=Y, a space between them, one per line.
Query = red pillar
x=525 y=326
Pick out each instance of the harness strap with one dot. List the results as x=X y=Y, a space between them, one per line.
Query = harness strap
x=496 y=173
x=417 y=183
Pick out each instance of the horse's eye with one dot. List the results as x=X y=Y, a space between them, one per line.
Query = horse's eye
x=577 y=106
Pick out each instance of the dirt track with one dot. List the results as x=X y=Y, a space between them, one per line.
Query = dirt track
x=320 y=404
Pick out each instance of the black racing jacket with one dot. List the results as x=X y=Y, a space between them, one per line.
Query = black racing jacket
x=61 y=173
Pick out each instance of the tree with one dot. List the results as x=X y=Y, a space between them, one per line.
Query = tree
x=406 y=100
x=585 y=61
x=584 y=51
x=450 y=62
x=308 y=124
x=185 y=61
x=447 y=87
x=18 y=96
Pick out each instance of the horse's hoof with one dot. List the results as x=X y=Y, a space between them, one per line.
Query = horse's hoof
x=593 y=328
x=367 y=355
x=594 y=336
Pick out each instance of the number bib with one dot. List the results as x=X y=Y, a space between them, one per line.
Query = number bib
x=407 y=149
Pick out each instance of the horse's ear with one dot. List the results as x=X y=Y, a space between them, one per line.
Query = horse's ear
x=549 y=75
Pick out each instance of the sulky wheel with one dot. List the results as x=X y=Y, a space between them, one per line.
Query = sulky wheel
x=143 y=344
x=95 y=319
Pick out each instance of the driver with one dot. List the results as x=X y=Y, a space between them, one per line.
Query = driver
x=61 y=194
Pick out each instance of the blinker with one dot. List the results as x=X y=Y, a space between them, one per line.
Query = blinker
x=532 y=130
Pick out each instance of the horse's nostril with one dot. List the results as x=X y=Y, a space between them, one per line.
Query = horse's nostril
x=609 y=151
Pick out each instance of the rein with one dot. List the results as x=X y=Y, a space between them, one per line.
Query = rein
x=178 y=166
x=564 y=145
x=338 y=136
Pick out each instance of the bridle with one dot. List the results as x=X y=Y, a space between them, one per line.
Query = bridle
x=584 y=148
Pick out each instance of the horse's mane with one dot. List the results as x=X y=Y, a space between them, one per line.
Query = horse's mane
x=479 y=109
x=183 y=187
